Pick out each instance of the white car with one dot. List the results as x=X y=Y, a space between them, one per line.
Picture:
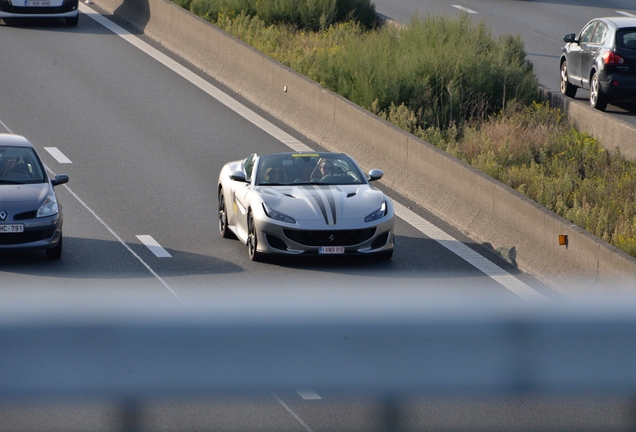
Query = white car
x=64 y=9
x=293 y=204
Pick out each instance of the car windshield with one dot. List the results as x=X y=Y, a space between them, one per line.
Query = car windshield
x=308 y=168
x=20 y=165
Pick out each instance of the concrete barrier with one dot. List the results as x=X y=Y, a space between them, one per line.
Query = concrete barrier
x=484 y=209
x=611 y=132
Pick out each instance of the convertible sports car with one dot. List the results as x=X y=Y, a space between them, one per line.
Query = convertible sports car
x=304 y=204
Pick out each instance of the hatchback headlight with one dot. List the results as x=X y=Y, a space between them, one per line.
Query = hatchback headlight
x=378 y=214
x=49 y=206
x=274 y=214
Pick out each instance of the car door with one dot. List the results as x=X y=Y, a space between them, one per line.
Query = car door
x=241 y=196
x=591 y=51
x=575 y=54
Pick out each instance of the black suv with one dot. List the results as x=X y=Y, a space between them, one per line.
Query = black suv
x=601 y=59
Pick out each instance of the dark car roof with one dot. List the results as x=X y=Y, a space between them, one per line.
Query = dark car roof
x=11 y=140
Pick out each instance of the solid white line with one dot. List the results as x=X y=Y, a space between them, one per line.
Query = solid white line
x=308 y=394
x=154 y=246
x=491 y=269
x=289 y=410
x=462 y=8
x=481 y=263
x=225 y=99
x=625 y=13
x=58 y=155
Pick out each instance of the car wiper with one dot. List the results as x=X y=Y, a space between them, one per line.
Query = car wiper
x=13 y=182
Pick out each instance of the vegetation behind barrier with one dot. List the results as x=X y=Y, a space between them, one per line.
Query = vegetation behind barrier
x=449 y=82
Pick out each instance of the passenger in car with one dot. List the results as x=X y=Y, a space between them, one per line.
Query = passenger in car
x=275 y=175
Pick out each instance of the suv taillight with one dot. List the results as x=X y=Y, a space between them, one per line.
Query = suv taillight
x=610 y=58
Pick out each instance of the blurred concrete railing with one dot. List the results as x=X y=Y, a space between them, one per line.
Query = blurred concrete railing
x=383 y=344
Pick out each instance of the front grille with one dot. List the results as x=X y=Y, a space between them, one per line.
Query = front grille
x=25 y=237
x=26 y=215
x=330 y=238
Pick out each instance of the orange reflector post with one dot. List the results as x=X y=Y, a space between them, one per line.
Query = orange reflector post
x=563 y=240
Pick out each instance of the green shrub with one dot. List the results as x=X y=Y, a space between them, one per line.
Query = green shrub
x=304 y=14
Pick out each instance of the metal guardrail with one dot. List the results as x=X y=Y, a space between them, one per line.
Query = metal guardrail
x=386 y=344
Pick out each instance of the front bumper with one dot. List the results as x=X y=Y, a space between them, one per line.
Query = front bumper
x=367 y=239
x=67 y=9
x=43 y=233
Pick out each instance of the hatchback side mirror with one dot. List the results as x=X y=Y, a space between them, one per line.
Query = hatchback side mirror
x=570 y=38
x=59 y=179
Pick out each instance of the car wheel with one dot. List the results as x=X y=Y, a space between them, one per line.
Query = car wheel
x=72 y=22
x=598 y=100
x=223 y=228
x=566 y=88
x=252 y=239
x=56 y=252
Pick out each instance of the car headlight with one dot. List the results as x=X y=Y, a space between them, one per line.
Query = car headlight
x=378 y=214
x=49 y=206
x=274 y=214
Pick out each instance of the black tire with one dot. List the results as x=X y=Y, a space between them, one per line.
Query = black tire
x=72 y=22
x=566 y=88
x=598 y=99
x=223 y=228
x=56 y=252
x=252 y=239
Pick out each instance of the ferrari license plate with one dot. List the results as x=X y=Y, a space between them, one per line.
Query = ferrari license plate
x=38 y=3
x=15 y=228
x=331 y=250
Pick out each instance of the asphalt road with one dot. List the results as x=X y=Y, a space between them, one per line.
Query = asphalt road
x=144 y=148
x=540 y=23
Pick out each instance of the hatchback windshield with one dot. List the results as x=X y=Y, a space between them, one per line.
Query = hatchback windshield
x=20 y=165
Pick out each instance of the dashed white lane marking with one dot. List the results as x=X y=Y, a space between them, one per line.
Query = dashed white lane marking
x=289 y=410
x=625 y=13
x=308 y=394
x=465 y=9
x=114 y=234
x=110 y=230
x=154 y=246
x=460 y=249
x=58 y=155
x=454 y=245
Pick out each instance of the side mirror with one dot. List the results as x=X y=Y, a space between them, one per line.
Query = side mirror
x=59 y=179
x=375 y=174
x=569 y=38
x=238 y=176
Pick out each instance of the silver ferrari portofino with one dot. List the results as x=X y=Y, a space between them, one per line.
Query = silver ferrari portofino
x=304 y=204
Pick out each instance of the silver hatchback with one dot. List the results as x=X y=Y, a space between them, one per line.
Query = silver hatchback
x=30 y=215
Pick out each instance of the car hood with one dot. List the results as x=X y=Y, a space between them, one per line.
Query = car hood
x=330 y=204
x=22 y=197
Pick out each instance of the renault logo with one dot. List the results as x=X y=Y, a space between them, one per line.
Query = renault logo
x=3 y=215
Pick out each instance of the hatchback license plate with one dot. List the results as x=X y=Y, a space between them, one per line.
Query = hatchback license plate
x=38 y=3
x=332 y=250
x=15 y=228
